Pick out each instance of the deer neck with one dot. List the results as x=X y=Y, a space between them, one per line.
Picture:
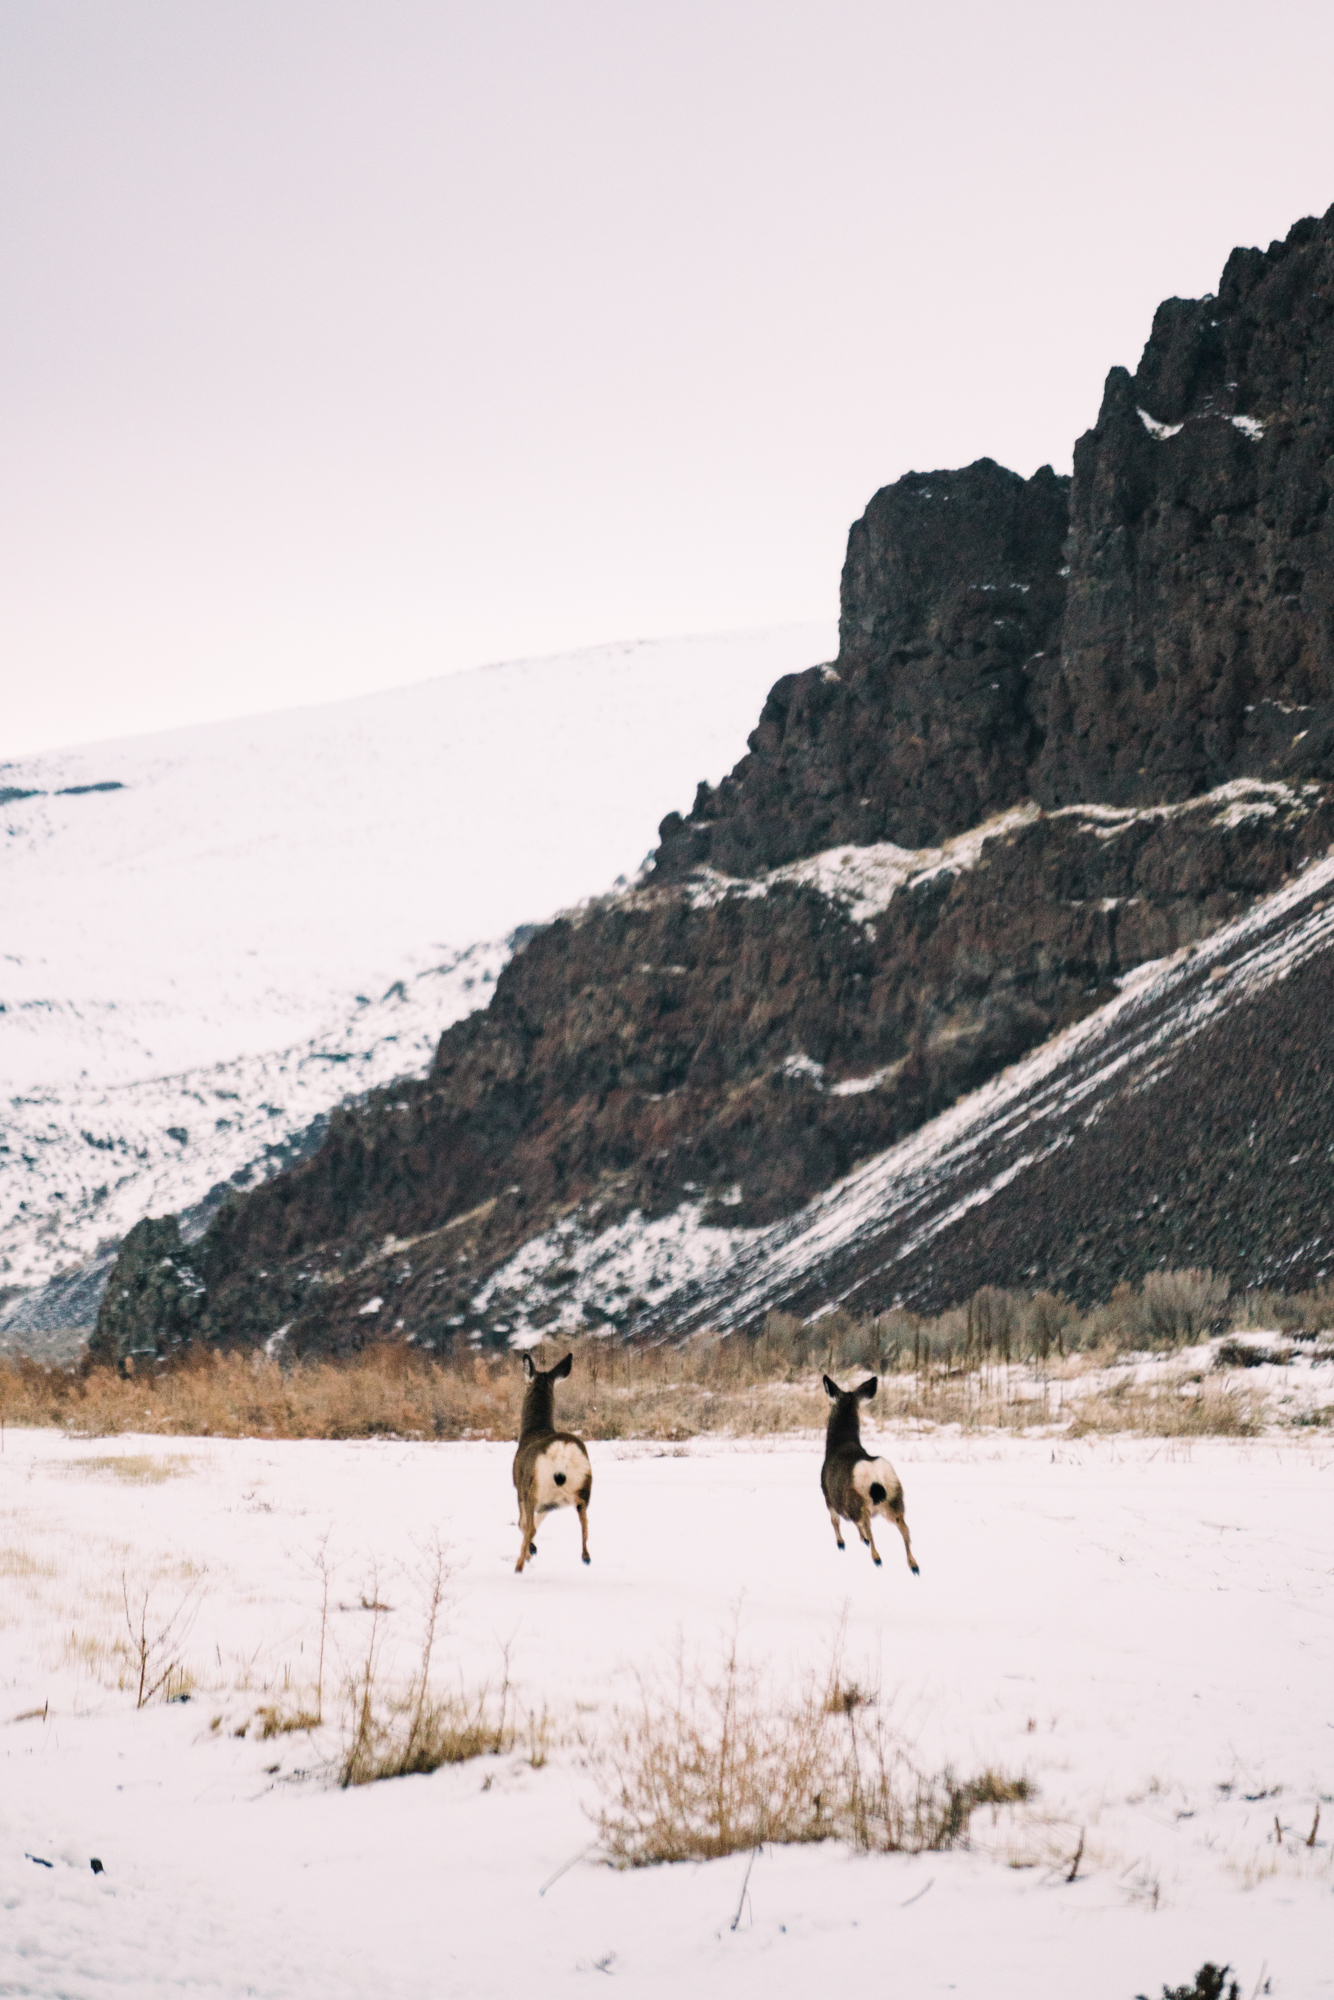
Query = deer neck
x=539 y=1410
x=845 y=1427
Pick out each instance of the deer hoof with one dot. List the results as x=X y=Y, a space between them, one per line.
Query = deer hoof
x=532 y=1548
x=587 y=1557
x=876 y=1561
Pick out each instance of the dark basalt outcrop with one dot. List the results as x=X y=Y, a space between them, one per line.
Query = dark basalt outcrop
x=154 y=1301
x=923 y=726
x=1183 y=635
x=1198 y=639
x=686 y=1041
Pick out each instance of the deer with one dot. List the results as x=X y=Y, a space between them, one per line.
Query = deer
x=551 y=1467
x=855 y=1485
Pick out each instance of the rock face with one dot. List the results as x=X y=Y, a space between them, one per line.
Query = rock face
x=924 y=726
x=1198 y=640
x=1223 y=1163
x=154 y=1302
x=792 y=991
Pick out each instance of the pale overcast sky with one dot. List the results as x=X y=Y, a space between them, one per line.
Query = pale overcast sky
x=345 y=344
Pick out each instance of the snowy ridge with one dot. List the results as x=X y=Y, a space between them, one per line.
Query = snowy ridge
x=675 y=1271
x=865 y=880
x=226 y=930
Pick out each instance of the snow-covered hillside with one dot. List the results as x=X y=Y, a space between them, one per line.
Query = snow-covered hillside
x=213 y=935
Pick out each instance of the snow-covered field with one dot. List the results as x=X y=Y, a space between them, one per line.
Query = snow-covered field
x=263 y=916
x=1144 y=1630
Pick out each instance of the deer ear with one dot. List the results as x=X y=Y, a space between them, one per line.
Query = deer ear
x=867 y=1388
x=832 y=1389
x=562 y=1368
x=528 y=1367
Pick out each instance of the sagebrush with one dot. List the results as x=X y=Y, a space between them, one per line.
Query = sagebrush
x=712 y=1762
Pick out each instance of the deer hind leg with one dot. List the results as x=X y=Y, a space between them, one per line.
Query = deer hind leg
x=527 y=1530
x=900 y=1520
x=582 y=1505
x=838 y=1532
x=864 y=1530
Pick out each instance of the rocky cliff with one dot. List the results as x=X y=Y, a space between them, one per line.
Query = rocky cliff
x=925 y=725
x=1198 y=637
x=955 y=840
x=1159 y=625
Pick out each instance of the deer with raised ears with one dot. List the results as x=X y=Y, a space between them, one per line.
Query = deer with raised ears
x=856 y=1486
x=551 y=1467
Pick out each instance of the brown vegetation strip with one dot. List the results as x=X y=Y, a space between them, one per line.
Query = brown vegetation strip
x=1003 y=1361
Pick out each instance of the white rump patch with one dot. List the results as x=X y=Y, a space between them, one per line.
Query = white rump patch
x=559 y=1473
x=869 y=1472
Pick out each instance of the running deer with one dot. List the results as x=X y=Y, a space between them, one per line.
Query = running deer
x=854 y=1484
x=551 y=1467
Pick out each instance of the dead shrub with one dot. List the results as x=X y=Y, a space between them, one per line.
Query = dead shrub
x=393 y=1733
x=713 y=1764
x=1182 y=1305
x=1244 y=1354
x=156 y=1642
x=1168 y=1410
x=274 y=1721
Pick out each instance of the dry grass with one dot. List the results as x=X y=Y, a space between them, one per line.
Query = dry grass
x=393 y=1732
x=157 y=1637
x=1170 y=1409
x=713 y=1764
x=1002 y=1362
x=130 y=1470
x=275 y=1721
x=16 y=1562
x=666 y=1393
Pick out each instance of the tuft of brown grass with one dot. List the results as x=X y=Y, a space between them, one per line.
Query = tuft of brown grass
x=274 y=1721
x=394 y=1733
x=1168 y=1410
x=130 y=1470
x=713 y=1764
x=16 y=1562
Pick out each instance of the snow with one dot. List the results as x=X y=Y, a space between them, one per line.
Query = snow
x=1155 y=429
x=865 y=879
x=800 y=1067
x=96 y=1155
x=274 y=912
x=1230 y=804
x=1250 y=427
x=1140 y=1629
x=857 y=1086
